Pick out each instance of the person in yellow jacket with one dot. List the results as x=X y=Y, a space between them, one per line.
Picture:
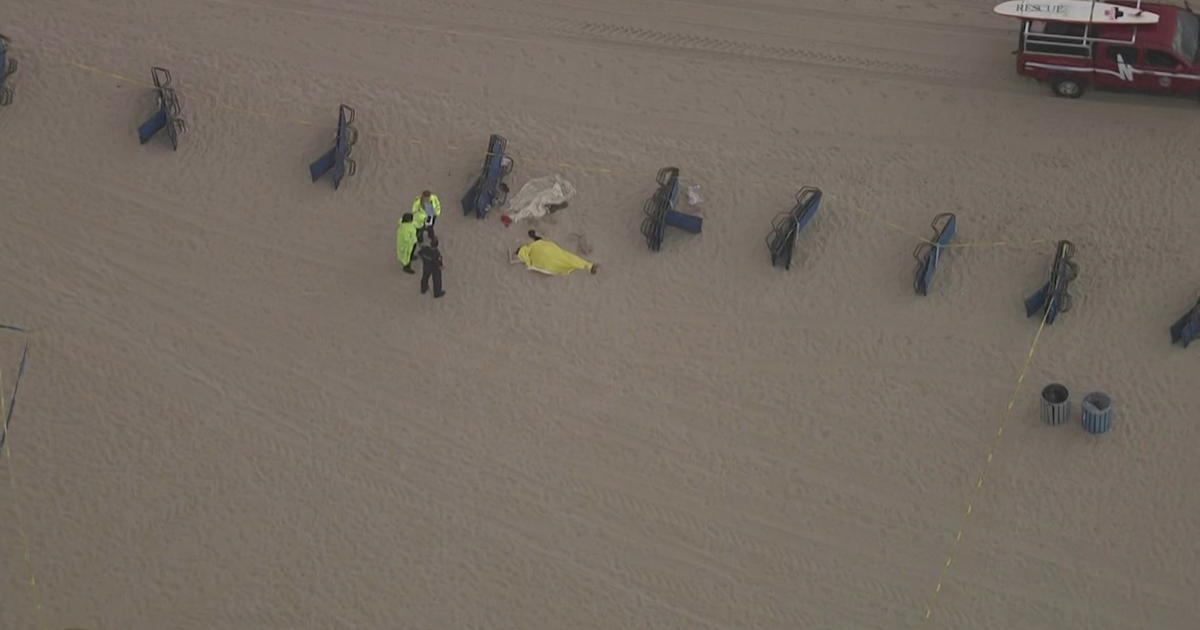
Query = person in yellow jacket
x=406 y=241
x=425 y=210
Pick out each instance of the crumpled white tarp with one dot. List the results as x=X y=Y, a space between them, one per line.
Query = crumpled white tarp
x=530 y=202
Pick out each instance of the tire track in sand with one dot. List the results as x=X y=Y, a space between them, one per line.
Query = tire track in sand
x=537 y=28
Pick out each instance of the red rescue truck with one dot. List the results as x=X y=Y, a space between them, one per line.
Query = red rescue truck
x=1156 y=58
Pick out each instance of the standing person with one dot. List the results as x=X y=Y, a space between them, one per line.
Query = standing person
x=426 y=209
x=406 y=241
x=431 y=267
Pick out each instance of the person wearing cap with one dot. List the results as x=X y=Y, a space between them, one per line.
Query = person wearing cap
x=431 y=267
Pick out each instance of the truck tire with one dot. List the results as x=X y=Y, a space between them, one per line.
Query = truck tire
x=1066 y=87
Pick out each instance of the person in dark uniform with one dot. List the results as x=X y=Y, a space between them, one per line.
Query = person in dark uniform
x=431 y=267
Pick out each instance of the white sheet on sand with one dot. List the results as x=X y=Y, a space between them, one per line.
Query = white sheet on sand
x=530 y=202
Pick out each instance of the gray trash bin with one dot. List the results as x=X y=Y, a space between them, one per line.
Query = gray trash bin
x=1056 y=404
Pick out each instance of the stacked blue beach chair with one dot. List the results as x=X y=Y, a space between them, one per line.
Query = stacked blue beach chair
x=660 y=210
x=166 y=114
x=337 y=160
x=1187 y=328
x=786 y=226
x=929 y=254
x=489 y=189
x=1052 y=297
x=7 y=68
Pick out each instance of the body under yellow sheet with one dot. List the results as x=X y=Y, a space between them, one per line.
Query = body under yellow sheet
x=547 y=257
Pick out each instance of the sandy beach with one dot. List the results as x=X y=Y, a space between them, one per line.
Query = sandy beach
x=238 y=412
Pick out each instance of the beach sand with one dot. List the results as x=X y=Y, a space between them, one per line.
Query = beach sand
x=239 y=413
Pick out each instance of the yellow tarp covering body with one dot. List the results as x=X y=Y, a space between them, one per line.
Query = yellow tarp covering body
x=547 y=257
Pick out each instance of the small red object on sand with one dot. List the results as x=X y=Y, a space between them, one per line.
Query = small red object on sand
x=506 y=220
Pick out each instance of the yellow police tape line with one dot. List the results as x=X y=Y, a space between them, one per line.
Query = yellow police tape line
x=12 y=484
x=986 y=465
x=295 y=121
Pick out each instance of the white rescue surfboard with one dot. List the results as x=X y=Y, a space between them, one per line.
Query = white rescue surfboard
x=1083 y=11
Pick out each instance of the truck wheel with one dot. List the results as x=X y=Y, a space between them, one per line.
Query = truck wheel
x=1066 y=88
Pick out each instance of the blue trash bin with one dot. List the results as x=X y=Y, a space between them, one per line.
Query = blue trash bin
x=1097 y=413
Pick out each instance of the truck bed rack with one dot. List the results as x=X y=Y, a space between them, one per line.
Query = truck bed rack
x=1072 y=39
